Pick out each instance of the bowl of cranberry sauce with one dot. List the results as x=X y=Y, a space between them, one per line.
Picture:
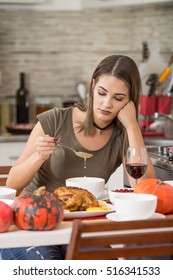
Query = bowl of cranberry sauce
x=112 y=193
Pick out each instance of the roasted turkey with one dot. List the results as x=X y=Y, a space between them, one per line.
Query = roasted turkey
x=72 y=198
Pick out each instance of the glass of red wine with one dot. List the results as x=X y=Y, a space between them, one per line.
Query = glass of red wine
x=136 y=162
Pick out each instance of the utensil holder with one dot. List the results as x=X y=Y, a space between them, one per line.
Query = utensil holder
x=151 y=104
x=163 y=104
x=147 y=105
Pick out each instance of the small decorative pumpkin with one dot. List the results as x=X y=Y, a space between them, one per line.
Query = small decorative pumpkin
x=32 y=212
x=162 y=190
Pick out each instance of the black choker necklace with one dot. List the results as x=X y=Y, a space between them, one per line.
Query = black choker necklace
x=101 y=129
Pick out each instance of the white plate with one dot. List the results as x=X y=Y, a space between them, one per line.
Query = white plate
x=83 y=214
x=113 y=216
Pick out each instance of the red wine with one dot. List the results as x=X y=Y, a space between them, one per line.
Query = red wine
x=136 y=170
x=22 y=101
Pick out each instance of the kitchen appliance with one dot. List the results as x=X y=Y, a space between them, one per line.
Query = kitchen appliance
x=161 y=153
x=168 y=122
x=162 y=159
x=81 y=90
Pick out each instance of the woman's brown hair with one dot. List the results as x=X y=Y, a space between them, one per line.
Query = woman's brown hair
x=123 y=68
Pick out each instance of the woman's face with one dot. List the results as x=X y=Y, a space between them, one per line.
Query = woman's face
x=110 y=94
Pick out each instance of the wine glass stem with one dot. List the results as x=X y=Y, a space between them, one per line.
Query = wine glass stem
x=136 y=181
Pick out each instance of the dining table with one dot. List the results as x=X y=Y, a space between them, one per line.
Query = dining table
x=16 y=237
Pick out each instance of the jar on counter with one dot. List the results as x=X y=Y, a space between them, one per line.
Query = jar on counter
x=42 y=105
x=4 y=115
x=70 y=100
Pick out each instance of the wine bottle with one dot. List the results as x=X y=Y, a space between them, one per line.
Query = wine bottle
x=22 y=101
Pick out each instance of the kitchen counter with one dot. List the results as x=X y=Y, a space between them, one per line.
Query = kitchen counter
x=161 y=158
x=162 y=163
x=157 y=160
x=11 y=147
x=153 y=141
x=13 y=138
x=158 y=141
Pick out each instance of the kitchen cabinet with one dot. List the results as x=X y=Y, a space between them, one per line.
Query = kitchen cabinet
x=116 y=3
x=79 y=4
x=108 y=3
x=10 y=151
x=125 y=2
x=130 y=2
x=156 y=1
x=22 y=1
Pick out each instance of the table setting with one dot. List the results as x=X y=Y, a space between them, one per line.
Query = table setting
x=114 y=206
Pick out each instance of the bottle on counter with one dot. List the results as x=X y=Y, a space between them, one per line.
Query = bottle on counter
x=22 y=101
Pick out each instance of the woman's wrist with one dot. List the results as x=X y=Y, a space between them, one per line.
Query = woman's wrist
x=135 y=136
x=39 y=157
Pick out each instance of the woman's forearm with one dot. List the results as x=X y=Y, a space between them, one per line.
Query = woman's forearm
x=22 y=173
x=38 y=149
x=135 y=137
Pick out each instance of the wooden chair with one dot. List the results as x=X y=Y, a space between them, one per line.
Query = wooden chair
x=94 y=240
x=4 y=170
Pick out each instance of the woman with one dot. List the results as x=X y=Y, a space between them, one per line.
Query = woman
x=104 y=128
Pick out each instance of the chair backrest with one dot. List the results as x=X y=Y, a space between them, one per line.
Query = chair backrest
x=4 y=170
x=95 y=240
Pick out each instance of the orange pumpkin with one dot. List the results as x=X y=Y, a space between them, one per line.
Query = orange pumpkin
x=32 y=212
x=162 y=190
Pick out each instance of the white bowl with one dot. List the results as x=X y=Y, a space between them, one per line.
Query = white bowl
x=92 y=184
x=7 y=201
x=113 y=193
x=134 y=206
x=7 y=193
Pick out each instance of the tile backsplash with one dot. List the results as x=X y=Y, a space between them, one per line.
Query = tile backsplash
x=57 y=50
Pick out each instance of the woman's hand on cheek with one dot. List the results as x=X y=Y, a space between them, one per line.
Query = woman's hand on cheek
x=127 y=115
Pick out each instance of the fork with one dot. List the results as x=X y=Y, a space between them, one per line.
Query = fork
x=79 y=153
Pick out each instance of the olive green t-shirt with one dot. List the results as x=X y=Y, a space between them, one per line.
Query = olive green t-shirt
x=63 y=163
